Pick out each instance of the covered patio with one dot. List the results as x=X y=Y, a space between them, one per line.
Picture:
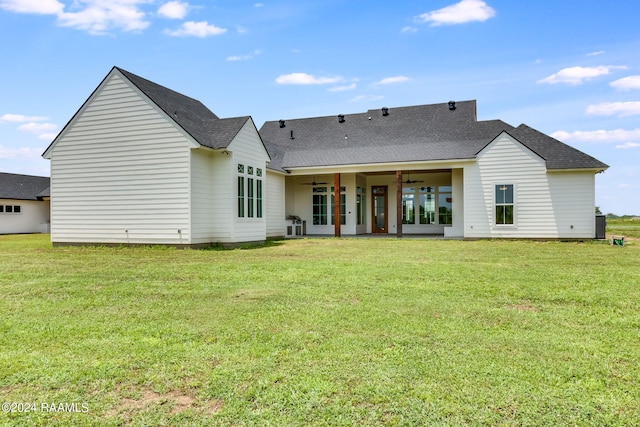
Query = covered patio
x=418 y=202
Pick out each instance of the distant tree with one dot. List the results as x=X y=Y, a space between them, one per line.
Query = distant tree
x=598 y=211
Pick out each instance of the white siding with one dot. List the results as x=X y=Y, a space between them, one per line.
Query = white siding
x=120 y=172
x=546 y=204
x=247 y=149
x=212 y=194
x=32 y=218
x=274 y=205
x=457 y=206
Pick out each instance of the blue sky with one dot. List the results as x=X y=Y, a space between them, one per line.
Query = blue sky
x=568 y=68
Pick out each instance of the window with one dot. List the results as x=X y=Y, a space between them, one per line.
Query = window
x=8 y=209
x=504 y=204
x=241 y=197
x=420 y=204
x=16 y=209
x=259 y=196
x=444 y=204
x=319 y=205
x=427 y=205
x=343 y=206
x=360 y=206
x=408 y=208
x=1 y=208
x=250 y=196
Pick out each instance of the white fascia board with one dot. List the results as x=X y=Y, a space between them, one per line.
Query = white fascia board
x=381 y=167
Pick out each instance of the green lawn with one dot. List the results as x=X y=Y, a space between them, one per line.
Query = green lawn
x=322 y=332
x=624 y=227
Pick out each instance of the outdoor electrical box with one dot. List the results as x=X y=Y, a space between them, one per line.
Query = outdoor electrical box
x=601 y=227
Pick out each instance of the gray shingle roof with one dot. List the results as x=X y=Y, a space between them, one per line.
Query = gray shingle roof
x=190 y=114
x=556 y=154
x=417 y=133
x=23 y=187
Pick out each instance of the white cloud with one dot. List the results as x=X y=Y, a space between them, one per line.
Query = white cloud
x=628 y=145
x=626 y=83
x=100 y=16
x=598 y=136
x=578 y=75
x=93 y=16
x=20 y=153
x=19 y=118
x=44 y=7
x=305 y=79
x=409 y=30
x=197 y=29
x=392 y=80
x=600 y=52
x=620 y=109
x=43 y=130
x=459 y=13
x=244 y=57
x=352 y=86
x=174 y=10
x=31 y=124
x=258 y=5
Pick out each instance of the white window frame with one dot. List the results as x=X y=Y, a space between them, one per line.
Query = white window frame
x=494 y=204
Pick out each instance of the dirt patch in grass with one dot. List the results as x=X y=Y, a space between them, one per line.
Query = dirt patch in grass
x=525 y=306
x=177 y=401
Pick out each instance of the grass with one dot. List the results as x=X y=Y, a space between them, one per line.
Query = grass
x=624 y=227
x=321 y=332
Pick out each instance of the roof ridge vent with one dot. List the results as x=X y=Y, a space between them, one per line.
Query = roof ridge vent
x=385 y=111
x=340 y=118
x=282 y=124
x=452 y=105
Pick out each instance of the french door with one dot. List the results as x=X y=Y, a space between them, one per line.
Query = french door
x=379 y=209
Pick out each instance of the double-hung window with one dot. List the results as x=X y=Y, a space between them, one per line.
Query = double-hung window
x=504 y=204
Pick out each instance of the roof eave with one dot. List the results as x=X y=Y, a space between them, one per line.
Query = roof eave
x=377 y=167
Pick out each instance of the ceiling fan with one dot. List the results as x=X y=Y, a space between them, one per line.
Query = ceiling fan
x=409 y=181
x=314 y=183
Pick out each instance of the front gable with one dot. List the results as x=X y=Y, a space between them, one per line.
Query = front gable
x=116 y=101
x=248 y=143
x=505 y=148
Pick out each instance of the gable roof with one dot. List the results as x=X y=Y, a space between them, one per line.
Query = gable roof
x=432 y=132
x=188 y=113
x=23 y=187
x=415 y=133
x=556 y=154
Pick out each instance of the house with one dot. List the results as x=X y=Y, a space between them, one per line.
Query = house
x=142 y=164
x=24 y=204
x=432 y=169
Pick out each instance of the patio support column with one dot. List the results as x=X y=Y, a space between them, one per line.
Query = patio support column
x=336 y=204
x=399 y=203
